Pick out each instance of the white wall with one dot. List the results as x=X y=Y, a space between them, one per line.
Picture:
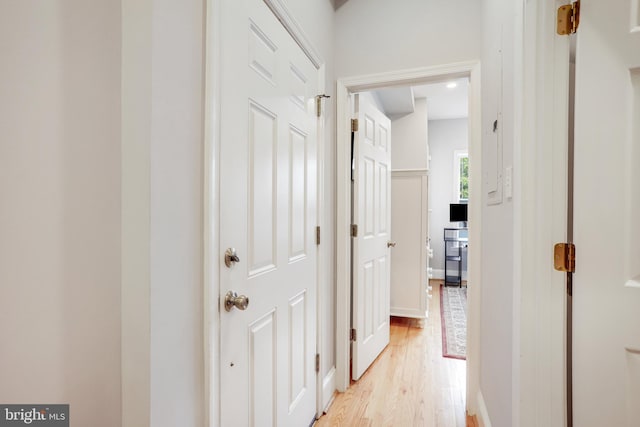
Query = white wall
x=60 y=255
x=409 y=143
x=163 y=122
x=445 y=137
x=498 y=102
x=176 y=222
x=380 y=35
x=60 y=206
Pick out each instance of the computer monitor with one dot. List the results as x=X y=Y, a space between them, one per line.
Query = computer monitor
x=458 y=212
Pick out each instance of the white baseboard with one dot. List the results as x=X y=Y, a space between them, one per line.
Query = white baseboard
x=328 y=387
x=483 y=414
x=439 y=274
x=407 y=312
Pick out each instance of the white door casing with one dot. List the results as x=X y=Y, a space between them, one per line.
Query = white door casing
x=372 y=214
x=606 y=286
x=268 y=196
x=344 y=88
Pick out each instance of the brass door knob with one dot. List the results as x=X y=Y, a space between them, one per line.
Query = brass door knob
x=231 y=299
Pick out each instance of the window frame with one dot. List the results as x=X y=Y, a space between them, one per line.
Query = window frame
x=458 y=155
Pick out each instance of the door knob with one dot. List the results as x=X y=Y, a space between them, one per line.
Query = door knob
x=391 y=244
x=231 y=299
x=230 y=257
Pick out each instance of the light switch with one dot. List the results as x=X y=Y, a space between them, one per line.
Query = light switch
x=508 y=182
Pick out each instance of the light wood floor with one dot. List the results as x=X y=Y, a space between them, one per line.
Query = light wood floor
x=410 y=384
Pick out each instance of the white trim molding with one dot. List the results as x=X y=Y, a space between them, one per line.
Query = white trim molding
x=438 y=274
x=211 y=216
x=281 y=11
x=483 y=413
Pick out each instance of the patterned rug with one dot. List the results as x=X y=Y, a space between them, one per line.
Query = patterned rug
x=453 y=311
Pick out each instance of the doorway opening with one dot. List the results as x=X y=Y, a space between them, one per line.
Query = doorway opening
x=416 y=77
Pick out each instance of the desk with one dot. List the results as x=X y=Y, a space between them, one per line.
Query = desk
x=455 y=239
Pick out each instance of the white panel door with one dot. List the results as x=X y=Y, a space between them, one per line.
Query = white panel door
x=606 y=292
x=268 y=169
x=372 y=214
x=409 y=218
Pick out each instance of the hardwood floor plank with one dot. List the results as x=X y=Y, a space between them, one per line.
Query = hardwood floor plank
x=410 y=383
x=472 y=421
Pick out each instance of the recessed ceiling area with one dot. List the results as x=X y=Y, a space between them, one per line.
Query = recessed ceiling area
x=445 y=100
x=396 y=102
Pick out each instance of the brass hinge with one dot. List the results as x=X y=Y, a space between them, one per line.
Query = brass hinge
x=317 y=362
x=354 y=125
x=354 y=230
x=319 y=103
x=564 y=257
x=317 y=235
x=354 y=334
x=568 y=18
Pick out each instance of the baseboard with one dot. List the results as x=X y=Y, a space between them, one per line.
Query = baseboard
x=483 y=414
x=328 y=388
x=439 y=274
x=408 y=312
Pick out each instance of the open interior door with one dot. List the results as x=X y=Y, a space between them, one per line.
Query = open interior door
x=372 y=216
x=606 y=285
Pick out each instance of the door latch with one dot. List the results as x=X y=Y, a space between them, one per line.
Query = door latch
x=230 y=257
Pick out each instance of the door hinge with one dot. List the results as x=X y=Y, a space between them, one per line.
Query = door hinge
x=317 y=235
x=354 y=125
x=354 y=334
x=568 y=18
x=354 y=230
x=319 y=103
x=317 y=362
x=564 y=257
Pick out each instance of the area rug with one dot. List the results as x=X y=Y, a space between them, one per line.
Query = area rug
x=453 y=311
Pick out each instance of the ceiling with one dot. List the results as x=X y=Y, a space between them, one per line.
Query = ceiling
x=442 y=102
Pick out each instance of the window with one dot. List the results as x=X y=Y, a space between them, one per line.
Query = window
x=461 y=175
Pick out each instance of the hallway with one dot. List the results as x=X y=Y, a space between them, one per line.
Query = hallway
x=410 y=384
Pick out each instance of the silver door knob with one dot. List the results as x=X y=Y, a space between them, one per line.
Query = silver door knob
x=231 y=299
x=391 y=244
x=230 y=257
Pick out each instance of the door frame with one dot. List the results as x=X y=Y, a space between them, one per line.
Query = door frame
x=344 y=88
x=211 y=197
